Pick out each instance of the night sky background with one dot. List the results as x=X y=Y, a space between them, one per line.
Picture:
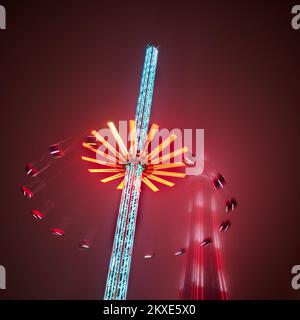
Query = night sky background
x=229 y=67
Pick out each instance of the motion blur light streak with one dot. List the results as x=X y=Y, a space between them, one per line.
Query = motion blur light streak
x=132 y=132
x=37 y=214
x=230 y=205
x=104 y=163
x=168 y=174
x=223 y=288
x=180 y=252
x=56 y=151
x=106 y=144
x=206 y=242
x=103 y=170
x=118 y=138
x=171 y=155
x=204 y=273
x=168 y=166
x=162 y=146
x=31 y=170
x=148 y=256
x=121 y=185
x=32 y=186
x=225 y=225
x=84 y=244
x=101 y=153
x=26 y=192
x=152 y=132
x=219 y=181
x=150 y=184
x=163 y=181
x=115 y=176
x=193 y=283
x=57 y=232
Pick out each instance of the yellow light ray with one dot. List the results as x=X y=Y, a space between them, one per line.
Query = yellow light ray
x=150 y=184
x=161 y=180
x=101 y=153
x=168 y=165
x=107 y=144
x=121 y=185
x=168 y=174
x=132 y=137
x=114 y=177
x=152 y=132
x=104 y=163
x=91 y=143
x=103 y=170
x=118 y=138
x=171 y=155
x=162 y=146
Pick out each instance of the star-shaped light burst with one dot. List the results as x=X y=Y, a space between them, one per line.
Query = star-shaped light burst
x=154 y=163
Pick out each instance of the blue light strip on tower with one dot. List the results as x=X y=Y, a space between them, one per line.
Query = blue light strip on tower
x=119 y=267
x=114 y=267
x=143 y=109
x=129 y=240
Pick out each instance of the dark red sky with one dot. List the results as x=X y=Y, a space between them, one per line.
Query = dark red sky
x=229 y=67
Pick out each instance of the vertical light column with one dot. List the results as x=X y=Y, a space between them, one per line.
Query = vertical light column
x=119 y=267
x=143 y=109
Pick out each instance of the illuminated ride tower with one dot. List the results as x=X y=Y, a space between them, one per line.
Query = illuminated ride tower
x=135 y=165
x=142 y=161
x=119 y=267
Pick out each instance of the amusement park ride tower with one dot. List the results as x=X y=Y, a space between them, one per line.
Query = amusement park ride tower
x=135 y=165
x=119 y=267
x=138 y=161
